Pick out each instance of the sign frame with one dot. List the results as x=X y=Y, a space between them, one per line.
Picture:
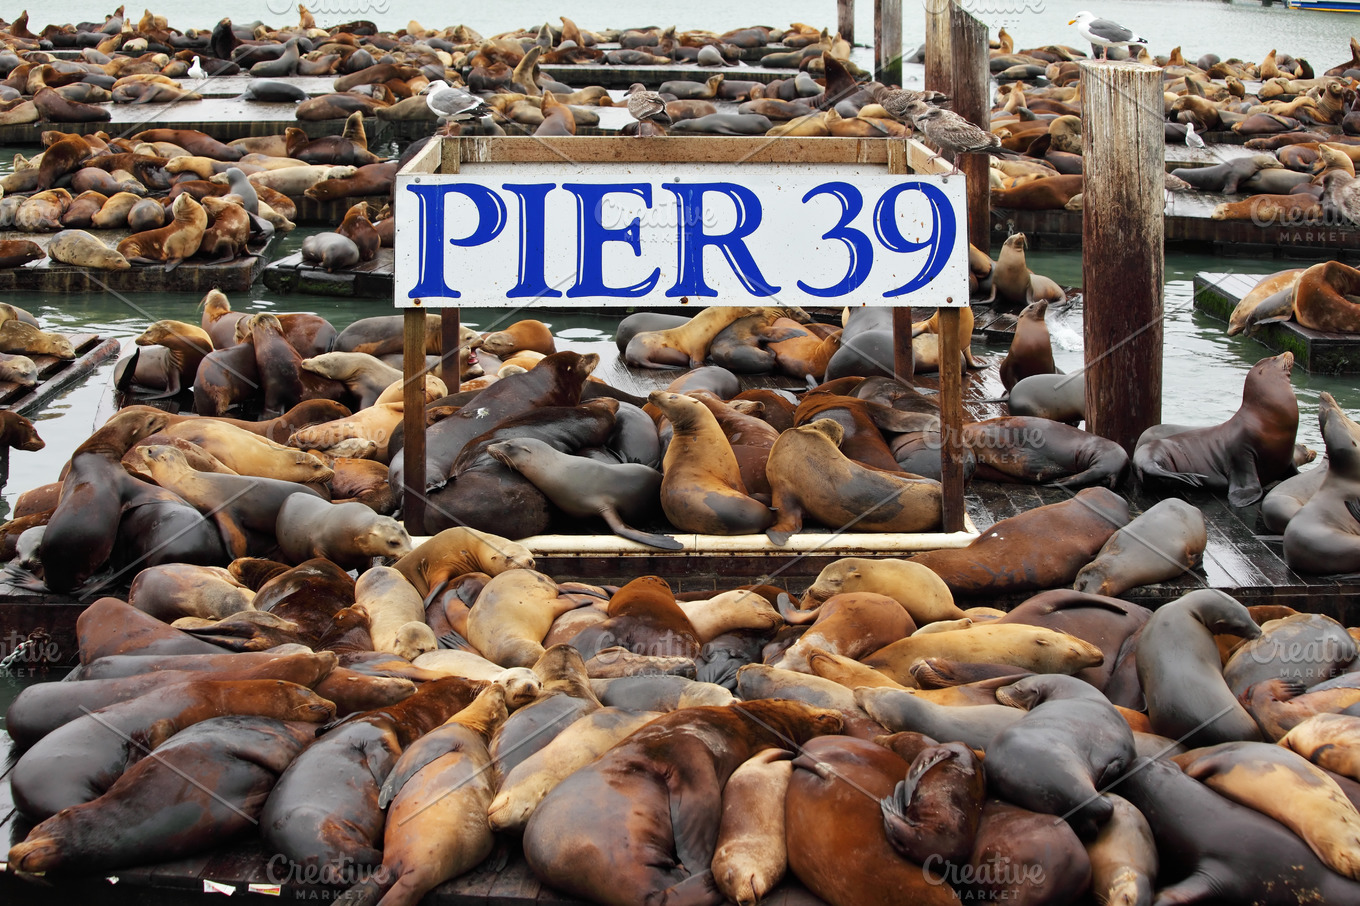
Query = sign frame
x=447 y=154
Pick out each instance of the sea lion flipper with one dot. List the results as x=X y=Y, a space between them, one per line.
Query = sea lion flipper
x=1244 y=486
x=696 y=810
x=1353 y=507
x=454 y=640
x=617 y=525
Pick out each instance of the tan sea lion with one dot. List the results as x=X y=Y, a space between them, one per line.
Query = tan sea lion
x=685 y=346
x=1268 y=286
x=456 y=551
x=520 y=606
x=170 y=244
x=1013 y=283
x=702 y=490
x=84 y=250
x=395 y=612
x=750 y=858
x=1029 y=647
x=917 y=588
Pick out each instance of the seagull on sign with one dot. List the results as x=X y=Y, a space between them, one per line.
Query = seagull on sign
x=950 y=132
x=454 y=105
x=196 y=70
x=1103 y=33
x=647 y=106
x=898 y=101
x=1192 y=137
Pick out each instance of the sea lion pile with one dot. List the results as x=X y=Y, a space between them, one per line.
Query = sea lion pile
x=875 y=740
x=1322 y=297
x=1303 y=126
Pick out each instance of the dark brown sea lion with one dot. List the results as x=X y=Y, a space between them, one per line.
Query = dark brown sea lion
x=1252 y=449
x=1031 y=349
x=837 y=845
x=18 y=252
x=324 y=811
x=168 y=360
x=18 y=433
x=283 y=381
x=680 y=810
x=937 y=809
x=370 y=179
x=360 y=230
x=1040 y=451
x=1181 y=672
x=643 y=617
x=1042 y=548
x=125 y=826
x=226 y=238
x=96 y=748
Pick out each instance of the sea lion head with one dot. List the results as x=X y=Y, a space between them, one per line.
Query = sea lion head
x=19 y=433
x=384 y=538
x=19 y=369
x=521 y=686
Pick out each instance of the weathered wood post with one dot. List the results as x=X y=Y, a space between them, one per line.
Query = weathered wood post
x=449 y=353
x=1122 y=233
x=413 y=420
x=845 y=19
x=970 y=93
x=888 y=41
x=939 y=72
x=904 y=362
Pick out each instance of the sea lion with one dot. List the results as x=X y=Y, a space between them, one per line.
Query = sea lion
x=18 y=369
x=226 y=238
x=1303 y=648
x=935 y=812
x=858 y=496
x=1281 y=705
x=360 y=230
x=1159 y=545
x=684 y=346
x=18 y=252
x=917 y=588
x=125 y=826
x=1085 y=745
x=169 y=245
x=1226 y=178
x=330 y=251
x=1323 y=298
x=456 y=551
x=1031 y=350
x=20 y=337
x=644 y=618
x=834 y=827
x=365 y=376
x=896 y=709
x=564 y=697
x=1032 y=648
x=174 y=590
x=324 y=813
x=349 y=534
x=1265 y=777
x=1269 y=287
x=1059 y=397
x=750 y=858
x=582 y=487
x=1250 y=450
x=80 y=248
x=679 y=810
x=576 y=746
x=96 y=748
x=1042 y=548
x=521 y=335
x=853 y=624
x=1181 y=673
x=18 y=433
x=1320 y=536
x=168 y=359
x=1183 y=813
x=1048 y=193
x=1328 y=741
x=1036 y=450
x=520 y=606
x=702 y=490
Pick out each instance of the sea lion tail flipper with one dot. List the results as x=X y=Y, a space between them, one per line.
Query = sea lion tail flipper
x=792 y=613
x=435 y=593
x=172 y=264
x=1244 y=486
x=665 y=542
x=454 y=640
x=123 y=372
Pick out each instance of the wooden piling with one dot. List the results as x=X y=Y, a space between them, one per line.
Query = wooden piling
x=845 y=19
x=413 y=420
x=888 y=41
x=449 y=351
x=904 y=363
x=939 y=73
x=969 y=82
x=951 y=420
x=1122 y=272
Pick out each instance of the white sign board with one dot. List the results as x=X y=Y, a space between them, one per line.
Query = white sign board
x=516 y=234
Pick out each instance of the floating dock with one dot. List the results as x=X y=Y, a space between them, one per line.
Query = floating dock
x=1314 y=351
x=366 y=280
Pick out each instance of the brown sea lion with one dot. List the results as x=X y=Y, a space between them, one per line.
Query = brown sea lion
x=226 y=238
x=681 y=811
x=644 y=618
x=1268 y=286
x=18 y=252
x=1323 y=298
x=702 y=490
x=360 y=230
x=1325 y=541
x=852 y=624
x=521 y=335
x=349 y=534
x=170 y=355
x=1252 y=449
x=750 y=858
x=170 y=244
x=1042 y=548
x=456 y=551
x=1031 y=350
x=324 y=811
x=868 y=500
x=684 y=346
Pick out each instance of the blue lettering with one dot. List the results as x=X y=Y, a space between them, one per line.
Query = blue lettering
x=532 y=283
x=491 y=217
x=591 y=235
x=861 y=250
x=943 y=230
x=693 y=239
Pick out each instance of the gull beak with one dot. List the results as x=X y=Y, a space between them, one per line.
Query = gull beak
x=1072 y=22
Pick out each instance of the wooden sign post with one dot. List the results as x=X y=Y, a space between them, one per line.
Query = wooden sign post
x=508 y=222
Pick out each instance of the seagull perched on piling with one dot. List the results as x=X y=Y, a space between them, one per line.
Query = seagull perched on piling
x=1103 y=33
x=950 y=132
x=196 y=70
x=452 y=104
x=647 y=106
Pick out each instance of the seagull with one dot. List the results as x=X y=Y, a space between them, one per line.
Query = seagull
x=1103 y=33
x=454 y=105
x=1192 y=138
x=951 y=132
x=898 y=101
x=647 y=106
x=196 y=70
